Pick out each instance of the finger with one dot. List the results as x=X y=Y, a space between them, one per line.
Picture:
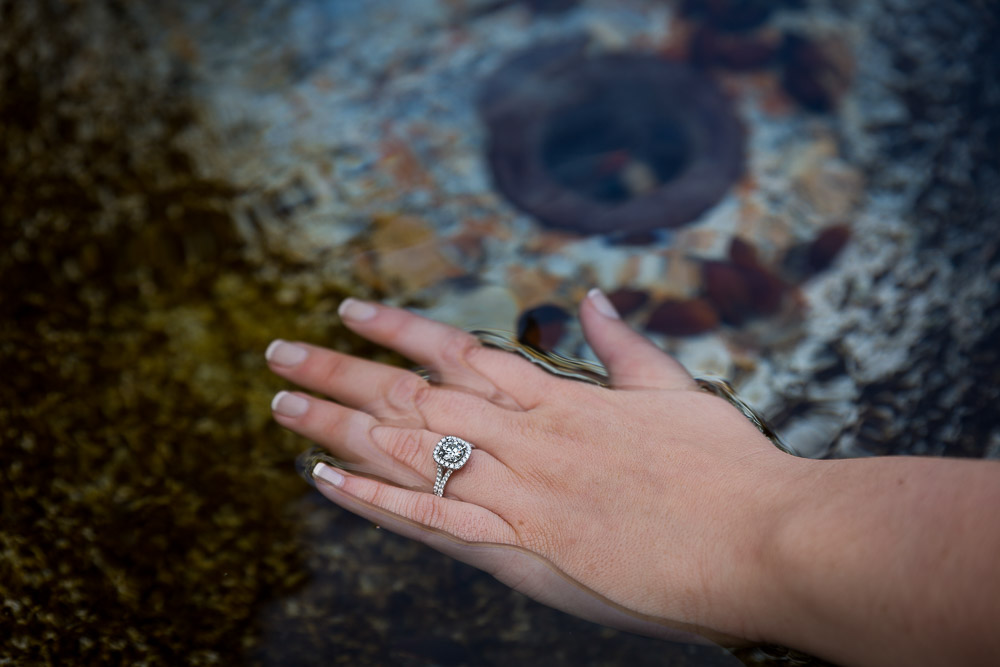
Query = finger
x=390 y=394
x=455 y=356
x=631 y=359
x=465 y=521
x=401 y=455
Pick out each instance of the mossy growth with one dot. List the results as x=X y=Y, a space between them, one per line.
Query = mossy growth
x=143 y=484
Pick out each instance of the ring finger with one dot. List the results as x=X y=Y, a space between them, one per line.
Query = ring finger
x=400 y=455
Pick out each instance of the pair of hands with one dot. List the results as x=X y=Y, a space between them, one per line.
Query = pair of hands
x=644 y=505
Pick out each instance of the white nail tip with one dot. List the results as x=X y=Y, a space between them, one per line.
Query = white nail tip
x=328 y=474
x=602 y=304
x=289 y=405
x=283 y=353
x=277 y=399
x=275 y=344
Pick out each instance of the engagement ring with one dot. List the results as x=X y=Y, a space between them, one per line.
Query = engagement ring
x=450 y=454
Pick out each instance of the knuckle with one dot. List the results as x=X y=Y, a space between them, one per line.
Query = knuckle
x=332 y=369
x=407 y=393
x=323 y=420
x=377 y=495
x=427 y=510
x=402 y=444
x=459 y=348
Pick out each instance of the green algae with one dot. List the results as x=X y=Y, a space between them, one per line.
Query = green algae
x=143 y=485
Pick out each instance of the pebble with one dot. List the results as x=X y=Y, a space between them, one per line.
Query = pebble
x=408 y=254
x=813 y=436
x=817 y=72
x=688 y=317
x=705 y=355
x=486 y=307
x=543 y=326
x=832 y=188
x=627 y=301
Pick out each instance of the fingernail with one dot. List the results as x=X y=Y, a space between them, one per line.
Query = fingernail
x=328 y=474
x=602 y=304
x=289 y=405
x=359 y=311
x=285 y=354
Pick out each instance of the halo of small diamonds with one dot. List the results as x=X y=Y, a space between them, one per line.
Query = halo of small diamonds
x=451 y=452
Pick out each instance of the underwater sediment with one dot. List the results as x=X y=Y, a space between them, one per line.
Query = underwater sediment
x=155 y=237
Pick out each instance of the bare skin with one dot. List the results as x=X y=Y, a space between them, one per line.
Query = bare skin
x=659 y=497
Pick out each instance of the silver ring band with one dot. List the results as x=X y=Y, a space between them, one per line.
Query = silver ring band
x=450 y=454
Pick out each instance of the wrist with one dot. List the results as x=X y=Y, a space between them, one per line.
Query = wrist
x=746 y=579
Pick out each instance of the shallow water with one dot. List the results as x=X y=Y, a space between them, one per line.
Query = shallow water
x=180 y=186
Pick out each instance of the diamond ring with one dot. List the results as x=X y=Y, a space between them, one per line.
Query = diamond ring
x=450 y=454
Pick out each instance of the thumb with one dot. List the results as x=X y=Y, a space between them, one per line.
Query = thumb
x=632 y=360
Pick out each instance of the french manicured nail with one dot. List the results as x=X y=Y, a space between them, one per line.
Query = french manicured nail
x=602 y=304
x=328 y=474
x=285 y=354
x=289 y=405
x=359 y=311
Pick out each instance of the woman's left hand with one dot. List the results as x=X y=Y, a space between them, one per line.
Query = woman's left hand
x=642 y=505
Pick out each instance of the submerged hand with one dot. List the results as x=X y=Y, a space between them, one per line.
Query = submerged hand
x=647 y=493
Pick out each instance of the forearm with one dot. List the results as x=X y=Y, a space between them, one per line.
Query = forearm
x=888 y=561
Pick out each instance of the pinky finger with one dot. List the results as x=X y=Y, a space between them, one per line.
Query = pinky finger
x=413 y=514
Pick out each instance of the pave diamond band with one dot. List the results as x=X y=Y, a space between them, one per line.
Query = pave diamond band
x=450 y=454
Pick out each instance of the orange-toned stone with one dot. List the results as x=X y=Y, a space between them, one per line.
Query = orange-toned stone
x=833 y=189
x=366 y=272
x=549 y=242
x=408 y=253
x=399 y=160
x=469 y=240
x=532 y=286
x=697 y=240
x=683 y=277
x=629 y=271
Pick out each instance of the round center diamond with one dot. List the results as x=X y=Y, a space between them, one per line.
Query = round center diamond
x=452 y=452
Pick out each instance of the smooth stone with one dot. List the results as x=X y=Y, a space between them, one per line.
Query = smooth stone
x=705 y=355
x=487 y=307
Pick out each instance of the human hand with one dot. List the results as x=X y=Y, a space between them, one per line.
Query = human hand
x=645 y=505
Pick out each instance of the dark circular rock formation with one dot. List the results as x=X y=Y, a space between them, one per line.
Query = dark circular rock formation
x=609 y=143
